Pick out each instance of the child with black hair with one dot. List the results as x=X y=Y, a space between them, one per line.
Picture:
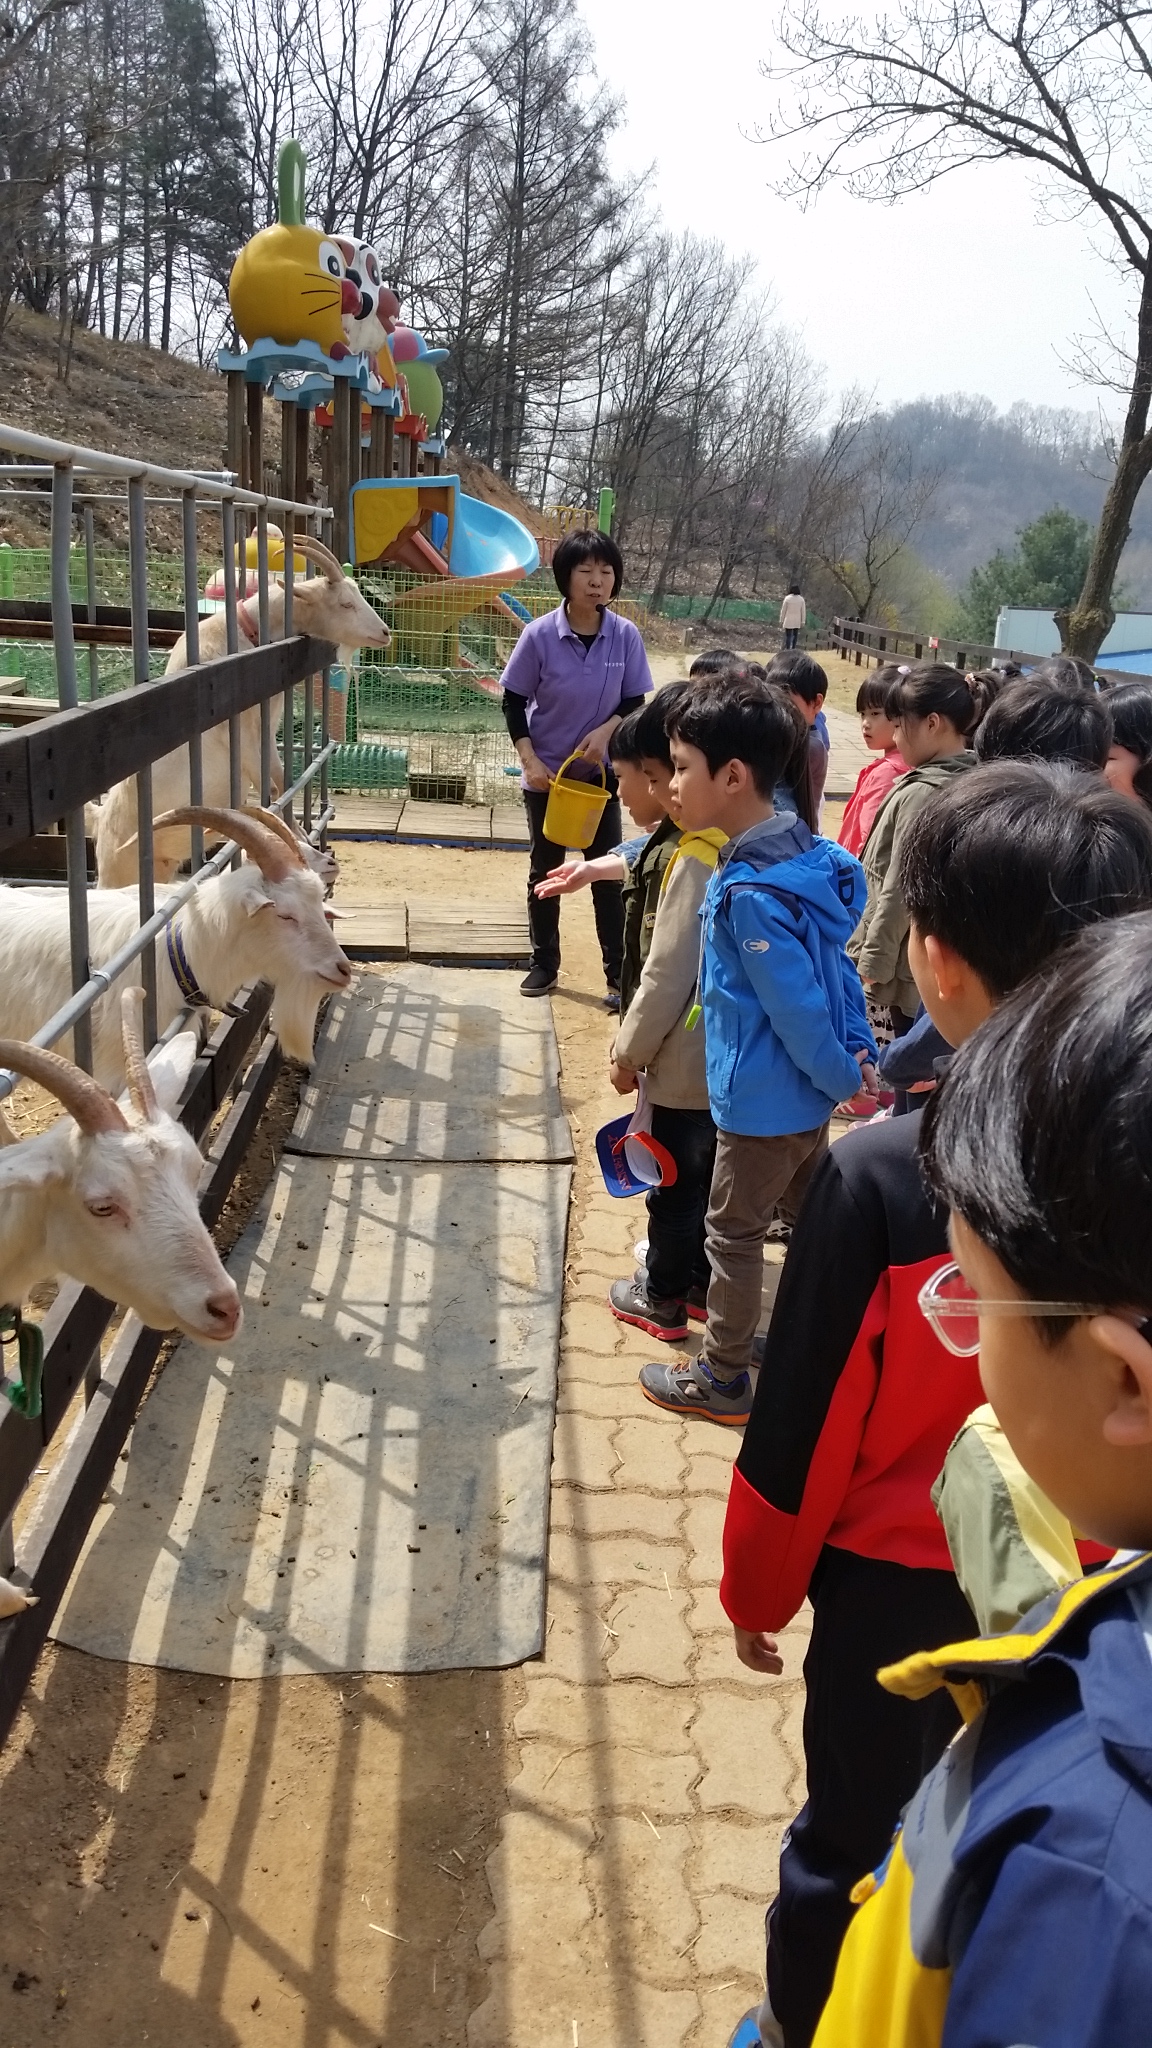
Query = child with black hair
x=670 y=1288
x=876 y=778
x=807 y=685
x=1026 y=720
x=1129 y=764
x=638 y=863
x=1016 y=1902
x=713 y=662
x=932 y=711
x=570 y=679
x=785 y=1034
x=1042 y=721
x=858 y=1400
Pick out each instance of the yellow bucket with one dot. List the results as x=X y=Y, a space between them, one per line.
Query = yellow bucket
x=575 y=808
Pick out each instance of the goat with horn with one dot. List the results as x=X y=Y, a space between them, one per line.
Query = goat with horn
x=107 y=1195
x=329 y=607
x=263 y=921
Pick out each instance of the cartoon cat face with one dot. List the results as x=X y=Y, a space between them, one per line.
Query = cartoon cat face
x=291 y=283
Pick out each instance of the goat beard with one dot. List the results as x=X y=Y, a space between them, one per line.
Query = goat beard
x=293 y=1018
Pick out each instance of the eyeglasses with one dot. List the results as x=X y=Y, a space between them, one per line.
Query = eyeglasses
x=948 y=1303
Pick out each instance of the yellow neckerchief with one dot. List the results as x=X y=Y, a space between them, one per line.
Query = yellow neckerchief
x=702 y=846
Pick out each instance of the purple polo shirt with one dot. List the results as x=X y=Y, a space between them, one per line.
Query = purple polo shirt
x=570 y=689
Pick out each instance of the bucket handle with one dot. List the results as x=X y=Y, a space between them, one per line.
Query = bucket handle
x=578 y=756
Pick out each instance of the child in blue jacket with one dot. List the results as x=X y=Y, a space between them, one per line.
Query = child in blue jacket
x=786 y=1036
x=1016 y=1902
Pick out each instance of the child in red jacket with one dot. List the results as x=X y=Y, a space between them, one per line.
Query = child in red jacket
x=876 y=777
x=858 y=1399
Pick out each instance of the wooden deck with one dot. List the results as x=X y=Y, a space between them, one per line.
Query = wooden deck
x=399 y=818
x=435 y=929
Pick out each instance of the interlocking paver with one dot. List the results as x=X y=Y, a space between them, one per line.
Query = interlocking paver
x=642 y=1870
x=746 y=1763
x=651 y=1638
x=651 y=1453
x=732 y=1935
x=613 y=1560
x=704 y=1530
x=582 y=1452
x=614 y=1396
x=616 y=1514
x=590 y=1326
x=735 y=1855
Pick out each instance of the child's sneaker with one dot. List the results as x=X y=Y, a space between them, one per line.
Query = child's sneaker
x=676 y=1387
x=695 y=1301
x=630 y=1302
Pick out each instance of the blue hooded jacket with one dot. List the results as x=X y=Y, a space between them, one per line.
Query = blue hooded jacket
x=783 y=1005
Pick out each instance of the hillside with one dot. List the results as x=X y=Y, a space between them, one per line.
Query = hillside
x=1001 y=471
x=130 y=400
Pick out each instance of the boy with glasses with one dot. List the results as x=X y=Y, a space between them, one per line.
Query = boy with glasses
x=1016 y=1902
x=858 y=1399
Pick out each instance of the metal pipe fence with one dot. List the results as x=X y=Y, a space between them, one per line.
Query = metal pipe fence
x=179 y=717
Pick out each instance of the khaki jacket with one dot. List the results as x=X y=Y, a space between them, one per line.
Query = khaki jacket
x=653 y=1038
x=879 y=945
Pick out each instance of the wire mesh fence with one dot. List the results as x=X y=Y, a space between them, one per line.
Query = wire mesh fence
x=424 y=716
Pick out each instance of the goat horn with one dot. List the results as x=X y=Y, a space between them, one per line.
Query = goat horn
x=279 y=826
x=250 y=832
x=140 y=1088
x=83 y=1098
x=315 y=551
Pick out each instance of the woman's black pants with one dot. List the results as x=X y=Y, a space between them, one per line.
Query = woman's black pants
x=607 y=897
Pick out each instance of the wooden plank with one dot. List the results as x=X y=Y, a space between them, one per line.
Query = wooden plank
x=92 y=636
x=26 y=710
x=509 y=825
x=15 y=609
x=459 y=934
x=43 y=859
x=54 y=1537
x=62 y=761
x=455 y=823
x=366 y=817
x=373 y=931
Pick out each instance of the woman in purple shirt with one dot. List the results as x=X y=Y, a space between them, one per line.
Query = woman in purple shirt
x=572 y=676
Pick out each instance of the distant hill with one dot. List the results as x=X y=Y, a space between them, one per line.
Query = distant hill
x=1001 y=471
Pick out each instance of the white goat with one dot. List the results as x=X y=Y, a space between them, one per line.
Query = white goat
x=262 y=921
x=110 y=1199
x=329 y=607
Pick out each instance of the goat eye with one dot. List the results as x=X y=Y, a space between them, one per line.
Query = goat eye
x=331 y=260
x=103 y=1209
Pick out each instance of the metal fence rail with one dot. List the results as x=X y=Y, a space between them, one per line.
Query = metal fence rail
x=49 y=769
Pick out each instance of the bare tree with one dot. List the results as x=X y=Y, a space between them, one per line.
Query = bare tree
x=890 y=106
x=871 y=508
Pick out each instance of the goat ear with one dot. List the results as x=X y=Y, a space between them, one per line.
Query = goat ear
x=255 y=895
x=30 y=1165
x=170 y=1065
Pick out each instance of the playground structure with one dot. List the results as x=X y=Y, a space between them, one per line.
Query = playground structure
x=360 y=396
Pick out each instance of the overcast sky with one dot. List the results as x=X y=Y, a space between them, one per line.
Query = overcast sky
x=956 y=289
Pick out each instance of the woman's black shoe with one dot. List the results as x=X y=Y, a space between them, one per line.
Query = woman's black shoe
x=538 y=982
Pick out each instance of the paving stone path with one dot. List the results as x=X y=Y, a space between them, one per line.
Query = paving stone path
x=639 y=1845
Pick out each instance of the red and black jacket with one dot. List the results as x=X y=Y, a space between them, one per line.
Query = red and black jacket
x=858 y=1400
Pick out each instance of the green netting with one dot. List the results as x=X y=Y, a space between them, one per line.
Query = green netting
x=416 y=700
x=759 y=611
x=27 y=573
x=110 y=668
